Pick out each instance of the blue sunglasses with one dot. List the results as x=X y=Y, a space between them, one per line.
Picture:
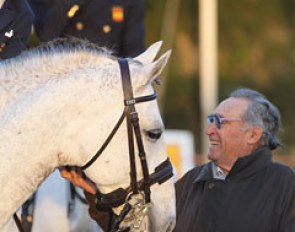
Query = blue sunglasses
x=219 y=120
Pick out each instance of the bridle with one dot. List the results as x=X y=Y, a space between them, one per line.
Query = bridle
x=137 y=197
x=162 y=173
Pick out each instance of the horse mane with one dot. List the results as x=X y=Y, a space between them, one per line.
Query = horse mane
x=46 y=62
x=71 y=44
x=59 y=46
x=50 y=61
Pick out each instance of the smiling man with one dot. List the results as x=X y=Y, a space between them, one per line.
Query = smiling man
x=241 y=188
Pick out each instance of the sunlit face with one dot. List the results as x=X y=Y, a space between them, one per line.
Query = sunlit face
x=230 y=141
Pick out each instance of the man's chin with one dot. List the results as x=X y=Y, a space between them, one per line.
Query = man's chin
x=212 y=156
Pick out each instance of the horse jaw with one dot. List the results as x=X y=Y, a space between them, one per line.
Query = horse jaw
x=150 y=53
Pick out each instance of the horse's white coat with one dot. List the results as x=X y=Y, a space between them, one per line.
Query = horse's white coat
x=53 y=114
x=53 y=196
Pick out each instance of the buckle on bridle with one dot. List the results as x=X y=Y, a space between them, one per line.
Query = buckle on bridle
x=129 y=102
x=139 y=210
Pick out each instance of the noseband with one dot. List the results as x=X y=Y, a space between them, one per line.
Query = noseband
x=162 y=173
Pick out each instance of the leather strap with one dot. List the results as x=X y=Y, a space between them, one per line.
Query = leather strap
x=129 y=103
x=18 y=223
x=117 y=197
x=162 y=172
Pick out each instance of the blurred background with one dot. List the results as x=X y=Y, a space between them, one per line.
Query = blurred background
x=255 y=49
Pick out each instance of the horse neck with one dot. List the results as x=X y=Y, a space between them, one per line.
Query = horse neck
x=25 y=165
x=20 y=177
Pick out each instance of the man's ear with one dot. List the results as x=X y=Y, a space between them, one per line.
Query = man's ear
x=255 y=135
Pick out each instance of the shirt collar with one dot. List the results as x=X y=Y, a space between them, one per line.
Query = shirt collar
x=243 y=167
x=217 y=172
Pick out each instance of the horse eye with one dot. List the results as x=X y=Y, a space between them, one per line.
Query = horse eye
x=154 y=134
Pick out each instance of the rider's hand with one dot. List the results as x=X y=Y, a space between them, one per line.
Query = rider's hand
x=76 y=176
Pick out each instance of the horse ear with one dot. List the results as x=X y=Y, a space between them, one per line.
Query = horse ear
x=155 y=69
x=150 y=53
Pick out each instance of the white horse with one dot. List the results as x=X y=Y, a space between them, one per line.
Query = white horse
x=58 y=104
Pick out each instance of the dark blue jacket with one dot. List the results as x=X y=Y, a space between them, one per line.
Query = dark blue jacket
x=16 y=20
x=115 y=24
x=258 y=195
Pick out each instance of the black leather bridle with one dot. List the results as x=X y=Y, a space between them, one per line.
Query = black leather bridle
x=162 y=173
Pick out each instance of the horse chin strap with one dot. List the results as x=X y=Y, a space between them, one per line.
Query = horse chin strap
x=137 y=197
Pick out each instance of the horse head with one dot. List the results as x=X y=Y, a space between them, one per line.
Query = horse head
x=65 y=117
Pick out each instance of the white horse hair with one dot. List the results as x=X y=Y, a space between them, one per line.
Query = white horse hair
x=58 y=103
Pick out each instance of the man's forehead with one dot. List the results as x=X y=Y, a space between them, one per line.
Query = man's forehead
x=232 y=107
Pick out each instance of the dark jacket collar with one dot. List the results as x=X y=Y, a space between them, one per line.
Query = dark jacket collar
x=243 y=167
x=205 y=173
x=250 y=164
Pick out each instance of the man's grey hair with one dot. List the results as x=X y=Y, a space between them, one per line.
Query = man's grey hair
x=261 y=113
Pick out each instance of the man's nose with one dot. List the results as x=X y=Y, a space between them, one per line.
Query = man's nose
x=211 y=127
